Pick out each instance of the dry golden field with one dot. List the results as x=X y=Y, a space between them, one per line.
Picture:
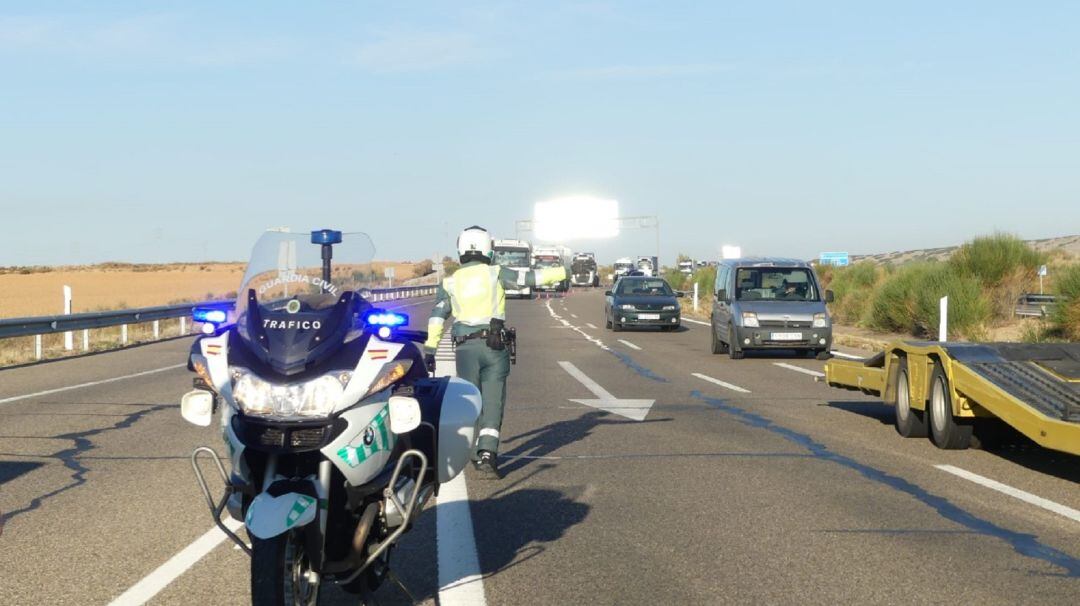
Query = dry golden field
x=39 y=291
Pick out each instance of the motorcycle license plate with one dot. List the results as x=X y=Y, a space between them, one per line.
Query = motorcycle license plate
x=648 y=316
x=786 y=336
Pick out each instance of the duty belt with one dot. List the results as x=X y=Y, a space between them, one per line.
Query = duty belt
x=483 y=334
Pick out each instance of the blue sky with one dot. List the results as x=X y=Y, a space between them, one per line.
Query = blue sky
x=180 y=130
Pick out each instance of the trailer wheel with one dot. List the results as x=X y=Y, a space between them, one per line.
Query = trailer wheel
x=909 y=423
x=947 y=431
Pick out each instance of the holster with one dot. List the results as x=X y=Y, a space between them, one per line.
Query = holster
x=496 y=339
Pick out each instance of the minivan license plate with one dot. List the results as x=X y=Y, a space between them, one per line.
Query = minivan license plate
x=787 y=336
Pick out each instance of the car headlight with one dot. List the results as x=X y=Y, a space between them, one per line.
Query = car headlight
x=749 y=319
x=820 y=321
x=314 y=398
x=671 y=307
x=627 y=307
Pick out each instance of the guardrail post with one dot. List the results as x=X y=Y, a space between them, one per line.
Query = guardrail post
x=943 y=326
x=68 y=344
x=156 y=329
x=37 y=346
x=86 y=339
x=123 y=334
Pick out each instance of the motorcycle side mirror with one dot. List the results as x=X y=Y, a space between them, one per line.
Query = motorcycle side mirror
x=404 y=414
x=365 y=293
x=197 y=407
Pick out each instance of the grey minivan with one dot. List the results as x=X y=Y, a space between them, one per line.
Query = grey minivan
x=769 y=303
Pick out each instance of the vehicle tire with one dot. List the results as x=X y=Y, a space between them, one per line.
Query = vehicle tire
x=823 y=354
x=910 y=423
x=946 y=431
x=718 y=346
x=734 y=351
x=278 y=565
x=607 y=323
x=615 y=326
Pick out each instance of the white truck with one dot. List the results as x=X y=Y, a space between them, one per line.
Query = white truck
x=584 y=271
x=686 y=267
x=624 y=266
x=553 y=256
x=648 y=266
x=514 y=254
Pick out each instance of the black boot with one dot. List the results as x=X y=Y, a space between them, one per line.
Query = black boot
x=487 y=465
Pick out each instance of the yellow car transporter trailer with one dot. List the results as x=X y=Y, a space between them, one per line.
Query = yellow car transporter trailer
x=946 y=389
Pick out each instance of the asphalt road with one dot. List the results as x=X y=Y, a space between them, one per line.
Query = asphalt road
x=743 y=481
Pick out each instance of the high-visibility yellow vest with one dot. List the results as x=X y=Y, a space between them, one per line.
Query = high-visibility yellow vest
x=476 y=295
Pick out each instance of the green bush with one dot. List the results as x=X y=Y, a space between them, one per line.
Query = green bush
x=908 y=301
x=1066 y=315
x=852 y=288
x=994 y=259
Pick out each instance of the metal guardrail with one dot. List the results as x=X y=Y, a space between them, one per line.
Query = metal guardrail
x=43 y=325
x=1035 y=306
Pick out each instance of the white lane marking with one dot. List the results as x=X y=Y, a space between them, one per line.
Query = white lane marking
x=685 y=319
x=573 y=316
x=720 y=383
x=567 y=324
x=1026 y=497
x=424 y=302
x=461 y=582
x=629 y=408
x=805 y=371
x=629 y=344
x=90 y=384
x=177 y=565
x=591 y=325
x=847 y=356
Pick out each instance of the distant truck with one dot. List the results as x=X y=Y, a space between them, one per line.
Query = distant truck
x=514 y=254
x=686 y=267
x=624 y=266
x=583 y=270
x=553 y=256
x=648 y=266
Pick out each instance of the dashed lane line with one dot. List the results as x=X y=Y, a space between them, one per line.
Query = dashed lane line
x=846 y=356
x=89 y=384
x=1026 y=497
x=805 y=371
x=685 y=319
x=592 y=326
x=629 y=344
x=724 y=384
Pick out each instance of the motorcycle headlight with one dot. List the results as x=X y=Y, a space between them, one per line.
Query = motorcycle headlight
x=314 y=398
x=820 y=321
x=627 y=307
x=749 y=319
x=391 y=373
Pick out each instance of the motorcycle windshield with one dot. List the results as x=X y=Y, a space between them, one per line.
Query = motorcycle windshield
x=289 y=313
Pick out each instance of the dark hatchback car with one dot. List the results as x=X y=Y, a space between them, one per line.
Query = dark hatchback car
x=642 y=301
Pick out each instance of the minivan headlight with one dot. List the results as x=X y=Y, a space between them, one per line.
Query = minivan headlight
x=820 y=321
x=749 y=319
x=314 y=398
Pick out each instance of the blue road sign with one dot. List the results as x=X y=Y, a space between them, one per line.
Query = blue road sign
x=839 y=259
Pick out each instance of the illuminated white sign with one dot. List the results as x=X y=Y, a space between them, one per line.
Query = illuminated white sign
x=575 y=218
x=730 y=252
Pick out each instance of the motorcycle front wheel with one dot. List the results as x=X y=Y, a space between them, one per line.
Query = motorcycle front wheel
x=281 y=573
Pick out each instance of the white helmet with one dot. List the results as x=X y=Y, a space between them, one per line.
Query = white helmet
x=474 y=242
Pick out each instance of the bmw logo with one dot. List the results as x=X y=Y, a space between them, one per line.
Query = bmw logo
x=369 y=436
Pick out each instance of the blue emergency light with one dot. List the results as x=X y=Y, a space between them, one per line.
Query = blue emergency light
x=326 y=236
x=386 y=318
x=209 y=315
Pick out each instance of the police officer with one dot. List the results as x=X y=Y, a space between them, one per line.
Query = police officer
x=475 y=296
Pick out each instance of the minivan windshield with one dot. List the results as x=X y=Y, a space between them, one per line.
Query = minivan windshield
x=644 y=287
x=775 y=284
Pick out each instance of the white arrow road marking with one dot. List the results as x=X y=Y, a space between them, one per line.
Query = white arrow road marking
x=720 y=383
x=1026 y=497
x=631 y=409
x=629 y=344
x=805 y=371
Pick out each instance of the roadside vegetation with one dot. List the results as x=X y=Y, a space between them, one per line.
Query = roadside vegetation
x=983 y=279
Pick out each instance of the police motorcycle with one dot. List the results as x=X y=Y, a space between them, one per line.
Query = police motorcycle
x=336 y=435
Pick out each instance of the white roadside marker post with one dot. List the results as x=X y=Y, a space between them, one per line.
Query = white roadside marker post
x=695 y=296
x=37 y=346
x=86 y=339
x=943 y=326
x=68 y=342
x=183 y=325
x=123 y=334
x=156 y=329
